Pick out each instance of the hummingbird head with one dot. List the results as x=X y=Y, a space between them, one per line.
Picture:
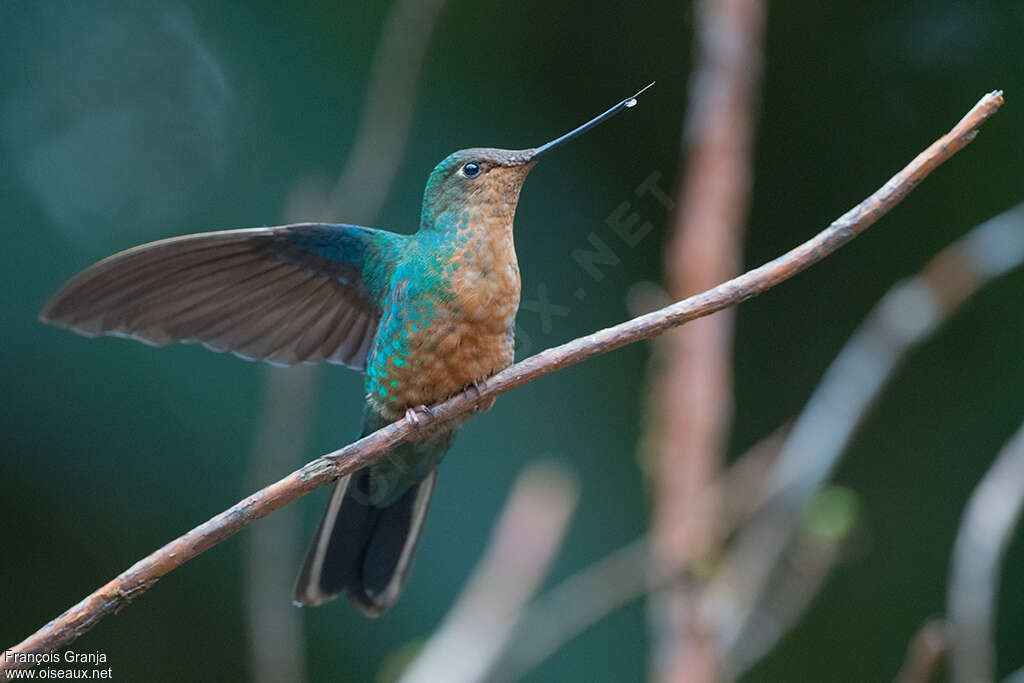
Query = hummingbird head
x=484 y=182
x=481 y=181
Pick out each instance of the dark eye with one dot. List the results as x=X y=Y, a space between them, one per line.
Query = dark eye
x=471 y=170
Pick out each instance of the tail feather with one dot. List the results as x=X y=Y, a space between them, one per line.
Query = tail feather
x=364 y=549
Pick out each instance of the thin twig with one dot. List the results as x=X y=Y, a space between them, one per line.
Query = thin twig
x=693 y=390
x=901 y=320
x=525 y=542
x=116 y=594
x=987 y=527
x=990 y=249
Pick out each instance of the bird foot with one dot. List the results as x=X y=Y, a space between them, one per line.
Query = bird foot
x=476 y=387
x=480 y=404
x=414 y=417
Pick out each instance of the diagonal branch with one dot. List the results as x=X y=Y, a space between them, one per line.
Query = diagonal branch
x=562 y=613
x=906 y=316
x=116 y=594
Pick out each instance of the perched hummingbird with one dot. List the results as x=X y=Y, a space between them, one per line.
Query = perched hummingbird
x=424 y=315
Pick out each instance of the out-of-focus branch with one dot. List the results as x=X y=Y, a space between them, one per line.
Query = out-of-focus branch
x=525 y=542
x=1016 y=677
x=812 y=552
x=904 y=317
x=276 y=651
x=738 y=488
x=387 y=112
x=585 y=598
x=692 y=396
x=572 y=606
x=272 y=552
x=925 y=654
x=118 y=592
x=987 y=251
x=988 y=523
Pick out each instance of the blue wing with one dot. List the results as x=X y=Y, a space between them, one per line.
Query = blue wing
x=299 y=293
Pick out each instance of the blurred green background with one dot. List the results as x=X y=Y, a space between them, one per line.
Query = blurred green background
x=124 y=122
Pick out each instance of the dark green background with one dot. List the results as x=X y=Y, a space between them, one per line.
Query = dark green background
x=122 y=123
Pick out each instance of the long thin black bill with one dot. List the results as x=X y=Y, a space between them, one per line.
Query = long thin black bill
x=621 y=106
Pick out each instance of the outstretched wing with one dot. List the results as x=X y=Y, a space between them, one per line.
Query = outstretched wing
x=296 y=293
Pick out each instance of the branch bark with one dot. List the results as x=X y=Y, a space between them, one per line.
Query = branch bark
x=116 y=594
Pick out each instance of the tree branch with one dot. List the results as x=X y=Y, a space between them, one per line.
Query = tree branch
x=908 y=313
x=957 y=272
x=524 y=544
x=588 y=596
x=986 y=530
x=116 y=594
x=691 y=387
x=925 y=654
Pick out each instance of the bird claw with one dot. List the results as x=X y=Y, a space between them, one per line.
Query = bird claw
x=477 y=388
x=414 y=418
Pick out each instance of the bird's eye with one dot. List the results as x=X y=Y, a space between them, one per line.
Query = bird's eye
x=471 y=170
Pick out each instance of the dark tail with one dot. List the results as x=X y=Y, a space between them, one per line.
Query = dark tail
x=364 y=549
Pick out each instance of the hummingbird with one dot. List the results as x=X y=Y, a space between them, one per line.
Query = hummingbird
x=424 y=316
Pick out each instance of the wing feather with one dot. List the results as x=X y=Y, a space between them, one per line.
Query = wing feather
x=313 y=336
x=290 y=294
x=281 y=345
